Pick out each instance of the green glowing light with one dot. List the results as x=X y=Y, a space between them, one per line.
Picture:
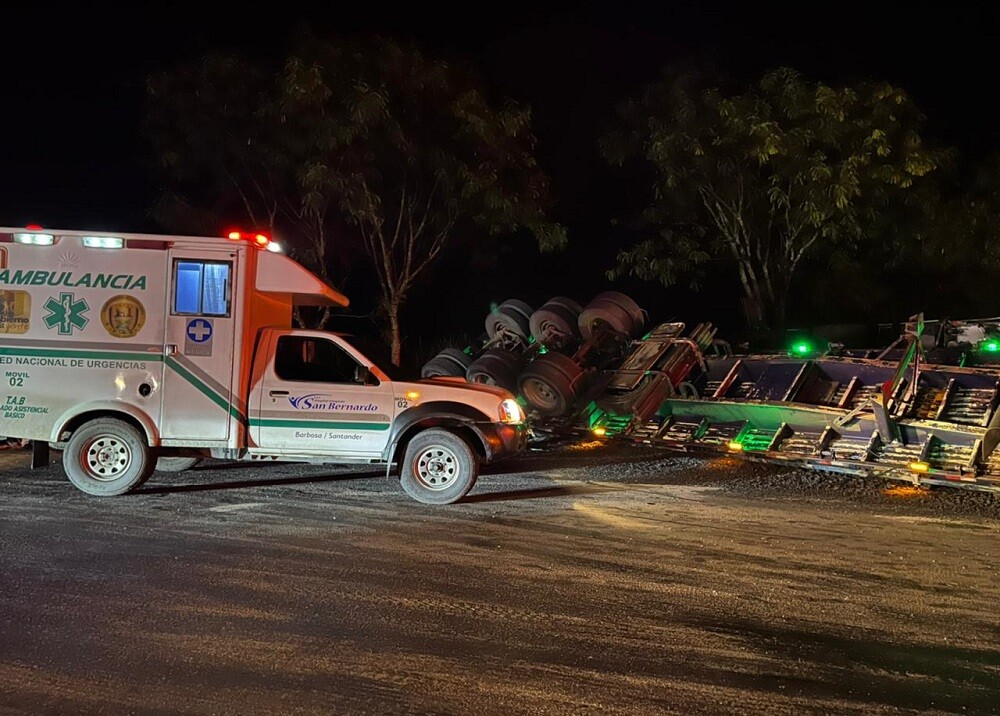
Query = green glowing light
x=801 y=348
x=992 y=346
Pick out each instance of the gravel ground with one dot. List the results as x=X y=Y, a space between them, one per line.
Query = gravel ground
x=765 y=481
x=587 y=580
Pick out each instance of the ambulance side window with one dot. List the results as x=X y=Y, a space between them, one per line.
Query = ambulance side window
x=315 y=360
x=201 y=288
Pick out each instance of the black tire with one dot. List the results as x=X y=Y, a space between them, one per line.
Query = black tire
x=439 y=467
x=568 y=303
x=519 y=307
x=449 y=363
x=630 y=306
x=510 y=318
x=603 y=311
x=558 y=318
x=107 y=457
x=495 y=367
x=549 y=383
x=175 y=464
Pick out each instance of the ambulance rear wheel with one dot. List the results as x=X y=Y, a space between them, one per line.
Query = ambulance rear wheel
x=439 y=467
x=107 y=457
x=176 y=464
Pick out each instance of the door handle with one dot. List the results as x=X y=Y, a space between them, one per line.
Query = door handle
x=278 y=392
x=170 y=349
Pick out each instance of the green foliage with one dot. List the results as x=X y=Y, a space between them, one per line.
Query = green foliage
x=406 y=151
x=765 y=178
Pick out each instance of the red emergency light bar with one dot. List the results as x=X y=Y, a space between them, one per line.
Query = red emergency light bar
x=259 y=240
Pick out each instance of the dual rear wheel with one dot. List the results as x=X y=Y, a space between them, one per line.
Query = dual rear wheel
x=108 y=457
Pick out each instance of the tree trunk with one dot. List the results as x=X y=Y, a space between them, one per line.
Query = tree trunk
x=781 y=290
x=779 y=307
x=395 y=339
x=764 y=307
x=754 y=310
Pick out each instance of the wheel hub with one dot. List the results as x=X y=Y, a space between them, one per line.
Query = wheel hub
x=107 y=457
x=437 y=468
x=541 y=394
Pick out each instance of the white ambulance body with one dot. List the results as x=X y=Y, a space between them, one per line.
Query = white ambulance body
x=121 y=349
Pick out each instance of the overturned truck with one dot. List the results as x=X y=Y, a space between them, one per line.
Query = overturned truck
x=918 y=410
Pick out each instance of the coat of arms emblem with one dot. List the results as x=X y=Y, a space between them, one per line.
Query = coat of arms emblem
x=123 y=316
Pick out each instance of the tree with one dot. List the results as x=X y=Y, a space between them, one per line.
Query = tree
x=959 y=255
x=765 y=178
x=230 y=156
x=405 y=150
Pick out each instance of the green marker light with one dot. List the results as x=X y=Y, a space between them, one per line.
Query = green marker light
x=992 y=346
x=801 y=348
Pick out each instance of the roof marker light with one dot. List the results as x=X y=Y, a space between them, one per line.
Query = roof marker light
x=103 y=242
x=734 y=445
x=34 y=227
x=233 y=236
x=261 y=240
x=274 y=248
x=36 y=239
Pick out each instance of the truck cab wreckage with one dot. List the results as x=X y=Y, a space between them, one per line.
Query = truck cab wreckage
x=915 y=411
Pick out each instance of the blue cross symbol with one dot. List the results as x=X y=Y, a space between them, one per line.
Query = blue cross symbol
x=199 y=330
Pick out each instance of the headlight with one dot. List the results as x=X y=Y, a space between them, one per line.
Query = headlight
x=510 y=412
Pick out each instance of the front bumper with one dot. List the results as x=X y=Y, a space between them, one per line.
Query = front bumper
x=502 y=440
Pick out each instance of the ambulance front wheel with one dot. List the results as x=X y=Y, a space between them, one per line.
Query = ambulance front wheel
x=439 y=467
x=107 y=457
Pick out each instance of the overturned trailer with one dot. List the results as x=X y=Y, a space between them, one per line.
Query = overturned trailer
x=916 y=410
x=894 y=416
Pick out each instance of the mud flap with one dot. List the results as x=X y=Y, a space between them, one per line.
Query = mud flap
x=39 y=454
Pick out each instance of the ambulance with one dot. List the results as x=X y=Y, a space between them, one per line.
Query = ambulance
x=129 y=352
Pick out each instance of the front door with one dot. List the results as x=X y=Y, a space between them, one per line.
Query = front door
x=200 y=331
x=317 y=398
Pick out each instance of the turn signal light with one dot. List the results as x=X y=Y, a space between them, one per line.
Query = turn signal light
x=259 y=240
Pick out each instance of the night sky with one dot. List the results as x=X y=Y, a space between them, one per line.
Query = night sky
x=71 y=93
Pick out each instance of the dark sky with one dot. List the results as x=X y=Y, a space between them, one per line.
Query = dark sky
x=71 y=85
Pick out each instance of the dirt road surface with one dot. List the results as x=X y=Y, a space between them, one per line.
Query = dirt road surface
x=586 y=581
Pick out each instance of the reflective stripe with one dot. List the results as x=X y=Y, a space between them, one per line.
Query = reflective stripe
x=218 y=395
x=272 y=423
